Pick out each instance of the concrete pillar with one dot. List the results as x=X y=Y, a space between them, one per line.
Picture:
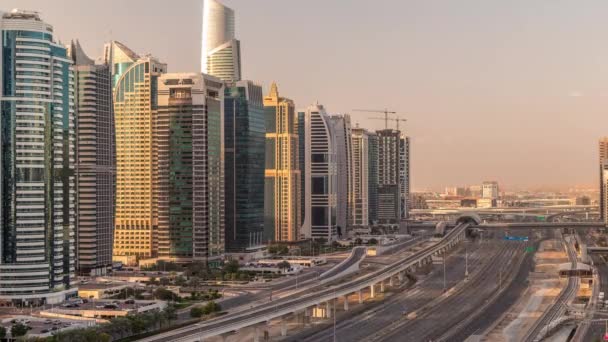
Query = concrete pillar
x=382 y=286
x=283 y=327
x=390 y=282
x=400 y=277
x=372 y=288
x=328 y=309
x=256 y=334
x=346 y=303
x=360 y=297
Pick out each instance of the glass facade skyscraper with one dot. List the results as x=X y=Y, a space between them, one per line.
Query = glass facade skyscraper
x=282 y=178
x=244 y=148
x=373 y=178
x=37 y=219
x=221 y=52
x=188 y=157
x=95 y=163
x=360 y=170
x=135 y=106
x=344 y=200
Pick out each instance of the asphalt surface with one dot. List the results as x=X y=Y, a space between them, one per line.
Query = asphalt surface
x=451 y=310
x=279 y=305
x=597 y=330
x=357 y=254
x=377 y=315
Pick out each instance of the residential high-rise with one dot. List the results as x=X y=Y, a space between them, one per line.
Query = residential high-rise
x=135 y=110
x=389 y=172
x=37 y=185
x=603 y=159
x=360 y=176
x=320 y=175
x=221 y=52
x=95 y=163
x=372 y=180
x=489 y=190
x=343 y=150
x=282 y=192
x=187 y=134
x=244 y=146
x=404 y=175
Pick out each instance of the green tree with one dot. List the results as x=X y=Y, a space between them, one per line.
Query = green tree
x=231 y=266
x=358 y=241
x=196 y=312
x=19 y=329
x=166 y=295
x=284 y=265
x=372 y=241
x=170 y=312
x=2 y=332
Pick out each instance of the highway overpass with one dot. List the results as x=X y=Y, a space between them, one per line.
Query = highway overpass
x=321 y=297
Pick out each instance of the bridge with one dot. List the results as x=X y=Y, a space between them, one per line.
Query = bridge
x=544 y=225
x=303 y=303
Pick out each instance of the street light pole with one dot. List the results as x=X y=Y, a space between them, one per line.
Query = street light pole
x=444 y=280
x=466 y=264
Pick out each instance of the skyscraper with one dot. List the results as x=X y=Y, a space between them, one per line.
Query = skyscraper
x=389 y=169
x=135 y=108
x=360 y=176
x=489 y=189
x=373 y=178
x=603 y=159
x=95 y=163
x=343 y=150
x=221 y=52
x=244 y=146
x=190 y=182
x=36 y=164
x=320 y=175
x=404 y=175
x=282 y=211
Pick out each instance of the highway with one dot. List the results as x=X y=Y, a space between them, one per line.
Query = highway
x=384 y=320
x=362 y=322
x=289 y=304
x=447 y=313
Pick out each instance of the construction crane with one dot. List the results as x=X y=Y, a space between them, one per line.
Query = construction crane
x=397 y=120
x=386 y=112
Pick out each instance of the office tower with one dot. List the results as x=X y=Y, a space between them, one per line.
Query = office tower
x=221 y=53
x=188 y=135
x=360 y=176
x=302 y=165
x=282 y=215
x=95 y=163
x=603 y=157
x=404 y=174
x=343 y=151
x=135 y=110
x=489 y=190
x=320 y=175
x=372 y=180
x=389 y=171
x=37 y=163
x=244 y=146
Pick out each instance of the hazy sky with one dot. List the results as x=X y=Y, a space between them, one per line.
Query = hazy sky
x=514 y=91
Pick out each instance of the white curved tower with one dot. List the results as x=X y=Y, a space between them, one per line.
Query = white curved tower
x=221 y=55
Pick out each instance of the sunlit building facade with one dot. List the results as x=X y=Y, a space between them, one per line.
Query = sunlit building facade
x=320 y=165
x=37 y=218
x=221 y=52
x=404 y=175
x=603 y=161
x=389 y=166
x=282 y=208
x=360 y=176
x=188 y=134
x=135 y=109
x=95 y=163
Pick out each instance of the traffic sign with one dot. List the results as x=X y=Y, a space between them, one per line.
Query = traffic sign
x=529 y=249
